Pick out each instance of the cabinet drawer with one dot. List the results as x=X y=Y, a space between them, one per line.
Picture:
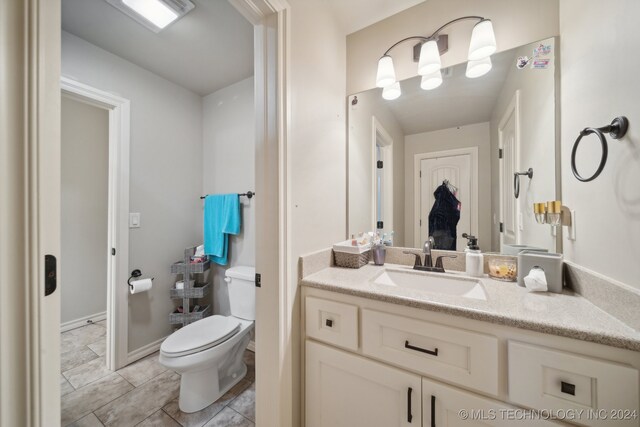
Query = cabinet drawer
x=543 y=378
x=462 y=357
x=332 y=322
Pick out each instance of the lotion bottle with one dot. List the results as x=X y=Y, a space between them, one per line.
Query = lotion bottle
x=474 y=258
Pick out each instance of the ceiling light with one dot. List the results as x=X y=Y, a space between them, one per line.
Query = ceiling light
x=429 y=58
x=154 y=14
x=392 y=92
x=483 y=41
x=478 y=68
x=431 y=81
x=386 y=75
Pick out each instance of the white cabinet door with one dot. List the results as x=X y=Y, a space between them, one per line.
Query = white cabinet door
x=345 y=390
x=445 y=406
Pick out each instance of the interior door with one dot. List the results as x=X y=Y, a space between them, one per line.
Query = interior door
x=345 y=390
x=508 y=166
x=457 y=169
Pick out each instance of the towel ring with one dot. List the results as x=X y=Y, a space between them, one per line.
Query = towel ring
x=616 y=130
x=516 y=181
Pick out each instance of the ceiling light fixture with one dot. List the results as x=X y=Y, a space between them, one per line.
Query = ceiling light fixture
x=481 y=47
x=155 y=15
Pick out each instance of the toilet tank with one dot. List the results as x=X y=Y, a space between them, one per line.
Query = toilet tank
x=242 y=291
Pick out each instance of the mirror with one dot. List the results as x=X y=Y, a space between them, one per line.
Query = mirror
x=441 y=162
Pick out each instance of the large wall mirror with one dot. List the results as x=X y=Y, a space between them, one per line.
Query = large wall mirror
x=453 y=151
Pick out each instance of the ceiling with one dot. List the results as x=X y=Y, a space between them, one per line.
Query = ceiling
x=355 y=15
x=208 y=49
x=458 y=101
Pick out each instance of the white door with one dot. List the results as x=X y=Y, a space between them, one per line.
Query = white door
x=345 y=390
x=508 y=166
x=445 y=406
x=457 y=169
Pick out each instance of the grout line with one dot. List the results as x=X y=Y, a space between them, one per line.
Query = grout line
x=169 y=415
x=252 y=422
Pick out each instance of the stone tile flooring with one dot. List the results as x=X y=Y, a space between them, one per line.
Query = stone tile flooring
x=142 y=394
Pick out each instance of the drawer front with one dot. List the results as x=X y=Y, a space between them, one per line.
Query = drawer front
x=547 y=379
x=454 y=355
x=332 y=322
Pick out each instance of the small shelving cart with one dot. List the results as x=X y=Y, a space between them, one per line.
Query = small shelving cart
x=192 y=290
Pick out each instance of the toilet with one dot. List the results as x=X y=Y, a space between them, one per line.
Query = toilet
x=208 y=354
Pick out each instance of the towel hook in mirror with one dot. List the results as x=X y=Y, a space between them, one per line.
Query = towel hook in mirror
x=516 y=181
x=616 y=130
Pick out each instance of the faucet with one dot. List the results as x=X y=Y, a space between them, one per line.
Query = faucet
x=428 y=259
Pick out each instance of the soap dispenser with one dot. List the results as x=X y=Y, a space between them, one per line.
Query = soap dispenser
x=474 y=258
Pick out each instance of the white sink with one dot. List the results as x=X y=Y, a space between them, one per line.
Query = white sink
x=434 y=283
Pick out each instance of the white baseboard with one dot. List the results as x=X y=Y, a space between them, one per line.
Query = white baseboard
x=83 y=321
x=144 y=351
x=252 y=346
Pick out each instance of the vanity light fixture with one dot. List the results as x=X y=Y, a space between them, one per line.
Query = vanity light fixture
x=481 y=47
x=392 y=92
x=155 y=15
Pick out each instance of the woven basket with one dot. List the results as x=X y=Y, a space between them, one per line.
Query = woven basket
x=348 y=260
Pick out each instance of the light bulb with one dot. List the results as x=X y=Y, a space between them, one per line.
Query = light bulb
x=386 y=75
x=483 y=41
x=392 y=92
x=431 y=81
x=478 y=68
x=429 y=61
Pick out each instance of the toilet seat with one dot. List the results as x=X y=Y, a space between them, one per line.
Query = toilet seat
x=200 y=335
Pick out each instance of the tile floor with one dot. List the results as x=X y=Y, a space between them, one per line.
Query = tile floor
x=142 y=394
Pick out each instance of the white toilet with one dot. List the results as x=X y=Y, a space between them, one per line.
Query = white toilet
x=208 y=353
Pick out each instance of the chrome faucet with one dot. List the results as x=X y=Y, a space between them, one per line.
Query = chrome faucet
x=428 y=258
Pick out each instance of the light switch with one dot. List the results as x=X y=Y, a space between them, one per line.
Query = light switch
x=134 y=220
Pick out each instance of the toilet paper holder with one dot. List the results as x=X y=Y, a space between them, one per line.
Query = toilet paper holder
x=134 y=275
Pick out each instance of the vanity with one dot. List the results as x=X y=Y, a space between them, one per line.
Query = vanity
x=390 y=346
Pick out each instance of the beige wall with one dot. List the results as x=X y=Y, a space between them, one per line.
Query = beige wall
x=475 y=135
x=516 y=22
x=360 y=134
x=228 y=166
x=84 y=198
x=537 y=145
x=166 y=174
x=599 y=64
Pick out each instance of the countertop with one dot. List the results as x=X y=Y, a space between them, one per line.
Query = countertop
x=567 y=314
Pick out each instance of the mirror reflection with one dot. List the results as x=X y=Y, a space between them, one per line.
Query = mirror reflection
x=471 y=155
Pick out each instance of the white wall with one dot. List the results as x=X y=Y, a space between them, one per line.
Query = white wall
x=515 y=22
x=599 y=64
x=228 y=166
x=317 y=141
x=84 y=194
x=166 y=174
x=475 y=135
x=370 y=105
x=537 y=145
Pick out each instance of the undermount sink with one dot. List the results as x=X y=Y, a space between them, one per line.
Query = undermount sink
x=433 y=282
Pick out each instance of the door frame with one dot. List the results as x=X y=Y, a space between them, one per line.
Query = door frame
x=512 y=109
x=118 y=214
x=417 y=186
x=378 y=131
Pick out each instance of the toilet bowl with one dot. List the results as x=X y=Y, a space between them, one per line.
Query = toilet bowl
x=208 y=354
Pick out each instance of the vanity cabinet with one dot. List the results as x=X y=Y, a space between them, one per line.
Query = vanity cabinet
x=371 y=363
x=345 y=390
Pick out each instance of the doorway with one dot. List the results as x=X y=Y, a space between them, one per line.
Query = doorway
x=383 y=176
x=509 y=139
x=460 y=169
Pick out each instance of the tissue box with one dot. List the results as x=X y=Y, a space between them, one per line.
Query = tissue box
x=348 y=256
x=551 y=264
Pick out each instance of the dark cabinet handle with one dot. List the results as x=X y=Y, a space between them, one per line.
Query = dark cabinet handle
x=409 y=414
x=422 y=350
x=568 y=388
x=329 y=323
x=433 y=411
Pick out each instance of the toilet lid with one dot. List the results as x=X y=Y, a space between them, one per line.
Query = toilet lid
x=200 y=335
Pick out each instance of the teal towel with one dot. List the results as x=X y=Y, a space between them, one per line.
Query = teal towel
x=221 y=218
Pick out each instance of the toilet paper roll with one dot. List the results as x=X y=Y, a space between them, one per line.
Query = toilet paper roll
x=142 y=285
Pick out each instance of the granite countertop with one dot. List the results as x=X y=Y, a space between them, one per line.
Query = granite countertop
x=567 y=314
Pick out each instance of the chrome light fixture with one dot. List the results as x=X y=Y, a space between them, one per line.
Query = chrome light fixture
x=481 y=47
x=155 y=15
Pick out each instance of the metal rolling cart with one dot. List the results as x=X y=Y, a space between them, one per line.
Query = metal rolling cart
x=191 y=289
